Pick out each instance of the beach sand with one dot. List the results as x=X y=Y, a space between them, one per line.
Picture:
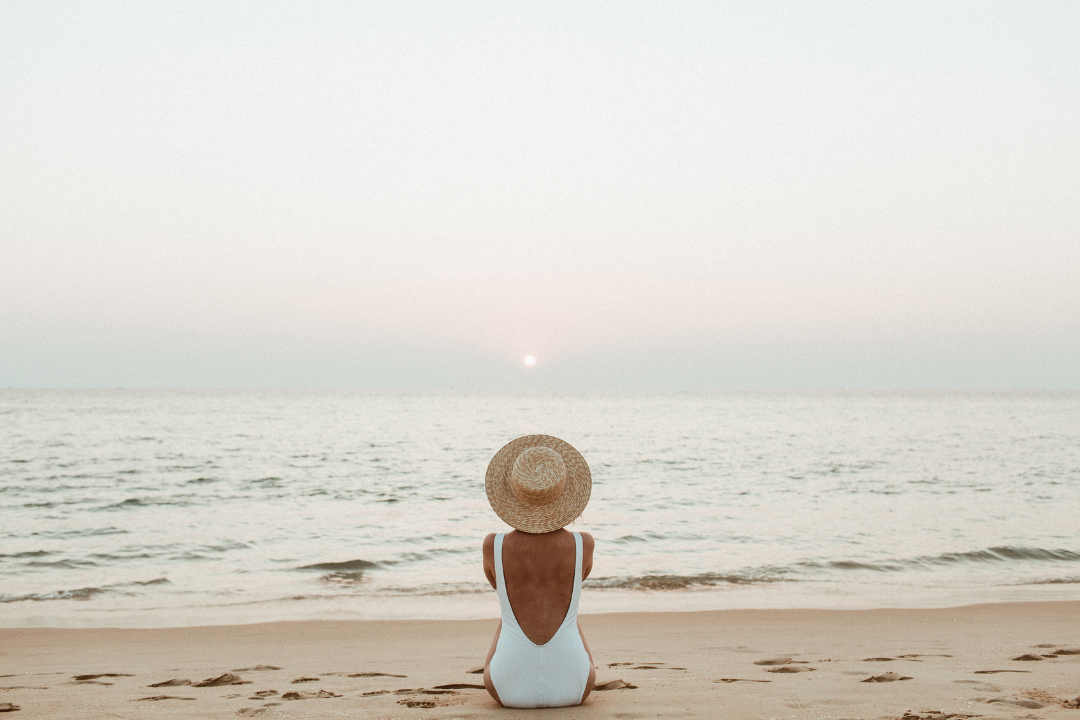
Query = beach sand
x=958 y=662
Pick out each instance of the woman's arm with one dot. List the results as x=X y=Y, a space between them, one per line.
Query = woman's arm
x=587 y=545
x=489 y=558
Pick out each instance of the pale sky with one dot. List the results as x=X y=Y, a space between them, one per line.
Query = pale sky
x=656 y=195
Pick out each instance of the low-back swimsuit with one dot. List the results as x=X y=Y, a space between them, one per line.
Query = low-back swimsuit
x=527 y=675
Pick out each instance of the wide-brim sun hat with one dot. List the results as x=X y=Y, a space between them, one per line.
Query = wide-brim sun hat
x=538 y=483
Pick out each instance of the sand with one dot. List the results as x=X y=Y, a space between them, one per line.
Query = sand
x=939 y=663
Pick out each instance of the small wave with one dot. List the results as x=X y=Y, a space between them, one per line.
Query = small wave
x=987 y=555
x=225 y=546
x=854 y=565
x=343 y=579
x=28 y=553
x=81 y=533
x=680 y=582
x=155 y=581
x=643 y=537
x=80 y=594
x=997 y=554
x=438 y=589
x=140 y=502
x=432 y=554
x=271 y=481
x=342 y=566
x=62 y=564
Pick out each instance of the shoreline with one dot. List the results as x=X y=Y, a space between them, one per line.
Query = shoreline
x=74 y=614
x=682 y=664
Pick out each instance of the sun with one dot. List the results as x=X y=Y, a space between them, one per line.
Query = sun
x=530 y=361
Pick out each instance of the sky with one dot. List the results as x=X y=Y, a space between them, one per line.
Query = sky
x=668 y=195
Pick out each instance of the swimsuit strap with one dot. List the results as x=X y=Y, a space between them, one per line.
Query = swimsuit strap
x=508 y=617
x=500 y=582
x=578 y=555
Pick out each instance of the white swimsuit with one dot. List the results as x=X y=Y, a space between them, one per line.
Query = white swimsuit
x=527 y=675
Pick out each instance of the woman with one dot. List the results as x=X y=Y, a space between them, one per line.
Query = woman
x=538 y=484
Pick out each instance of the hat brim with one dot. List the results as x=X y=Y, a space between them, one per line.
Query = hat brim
x=559 y=512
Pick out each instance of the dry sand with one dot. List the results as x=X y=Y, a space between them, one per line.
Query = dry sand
x=932 y=663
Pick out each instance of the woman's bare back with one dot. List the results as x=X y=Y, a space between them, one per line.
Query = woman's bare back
x=538 y=569
x=539 y=573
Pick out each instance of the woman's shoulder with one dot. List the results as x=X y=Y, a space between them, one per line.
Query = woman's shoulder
x=587 y=542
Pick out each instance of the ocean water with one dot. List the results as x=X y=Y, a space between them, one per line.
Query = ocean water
x=165 y=508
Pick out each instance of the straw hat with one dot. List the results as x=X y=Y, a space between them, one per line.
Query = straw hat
x=538 y=483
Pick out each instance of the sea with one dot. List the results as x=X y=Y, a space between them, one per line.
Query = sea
x=129 y=508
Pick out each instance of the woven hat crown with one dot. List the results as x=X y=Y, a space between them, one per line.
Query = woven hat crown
x=538 y=483
x=538 y=476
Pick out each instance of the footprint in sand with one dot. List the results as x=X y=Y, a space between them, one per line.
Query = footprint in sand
x=1067 y=651
x=382 y=674
x=304 y=680
x=250 y=712
x=994 y=672
x=980 y=686
x=257 y=668
x=782 y=660
x=880 y=659
x=446 y=698
x=917 y=655
x=225 y=679
x=262 y=694
x=175 y=682
x=791 y=669
x=309 y=696
x=474 y=671
x=93 y=679
x=460 y=686
x=734 y=680
x=886 y=677
x=409 y=691
x=615 y=685
x=1018 y=702
x=8 y=707
x=162 y=697
x=1029 y=657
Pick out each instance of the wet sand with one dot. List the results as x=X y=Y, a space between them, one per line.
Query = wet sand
x=1017 y=660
